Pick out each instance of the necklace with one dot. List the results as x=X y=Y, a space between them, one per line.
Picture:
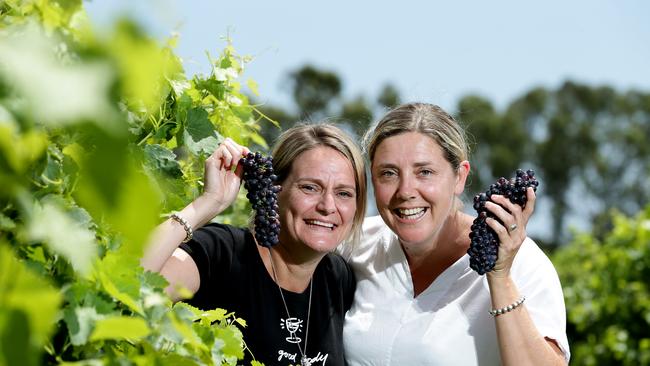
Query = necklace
x=303 y=356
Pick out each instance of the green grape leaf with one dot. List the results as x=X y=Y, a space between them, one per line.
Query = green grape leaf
x=198 y=126
x=214 y=315
x=143 y=66
x=19 y=151
x=80 y=322
x=232 y=341
x=176 y=360
x=28 y=58
x=199 y=134
x=51 y=225
x=15 y=347
x=6 y=224
x=160 y=159
x=120 y=327
x=23 y=290
x=155 y=280
x=116 y=274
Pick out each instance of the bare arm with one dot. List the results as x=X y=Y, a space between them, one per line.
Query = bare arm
x=222 y=183
x=520 y=343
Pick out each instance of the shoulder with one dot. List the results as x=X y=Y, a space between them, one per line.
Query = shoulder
x=373 y=232
x=532 y=265
x=220 y=232
x=335 y=265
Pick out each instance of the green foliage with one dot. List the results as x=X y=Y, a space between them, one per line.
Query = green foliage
x=607 y=293
x=97 y=137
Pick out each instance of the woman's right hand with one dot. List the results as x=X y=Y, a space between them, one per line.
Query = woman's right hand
x=221 y=182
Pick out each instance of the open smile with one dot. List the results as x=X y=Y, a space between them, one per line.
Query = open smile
x=323 y=224
x=410 y=213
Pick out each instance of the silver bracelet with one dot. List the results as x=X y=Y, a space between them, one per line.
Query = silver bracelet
x=506 y=309
x=188 y=229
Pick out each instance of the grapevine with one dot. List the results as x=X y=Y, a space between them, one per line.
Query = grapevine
x=259 y=180
x=484 y=246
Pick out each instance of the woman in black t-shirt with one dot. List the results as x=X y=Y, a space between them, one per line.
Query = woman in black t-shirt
x=293 y=295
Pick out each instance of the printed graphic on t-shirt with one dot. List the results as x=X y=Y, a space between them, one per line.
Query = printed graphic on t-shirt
x=294 y=326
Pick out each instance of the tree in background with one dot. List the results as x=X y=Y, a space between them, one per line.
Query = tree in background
x=317 y=96
x=314 y=90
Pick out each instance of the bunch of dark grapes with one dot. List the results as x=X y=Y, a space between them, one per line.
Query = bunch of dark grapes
x=259 y=180
x=484 y=241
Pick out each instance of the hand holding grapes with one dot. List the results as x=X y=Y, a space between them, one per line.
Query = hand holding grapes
x=512 y=232
x=221 y=182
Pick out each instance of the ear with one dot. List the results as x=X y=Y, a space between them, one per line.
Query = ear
x=461 y=177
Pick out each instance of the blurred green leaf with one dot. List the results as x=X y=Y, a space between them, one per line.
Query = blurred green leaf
x=120 y=327
x=80 y=91
x=51 y=225
x=80 y=322
x=29 y=294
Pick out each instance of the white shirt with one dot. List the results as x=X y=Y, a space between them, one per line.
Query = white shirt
x=448 y=323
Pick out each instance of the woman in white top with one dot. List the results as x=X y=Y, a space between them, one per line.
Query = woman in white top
x=417 y=300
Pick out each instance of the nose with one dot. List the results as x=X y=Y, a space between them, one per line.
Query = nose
x=326 y=204
x=406 y=188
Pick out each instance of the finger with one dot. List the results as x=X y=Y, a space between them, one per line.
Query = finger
x=236 y=150
x=499 y=229
x=505 y=216
x=531 y=197
x=239 y=170
x=225 y=156
x=505 y=203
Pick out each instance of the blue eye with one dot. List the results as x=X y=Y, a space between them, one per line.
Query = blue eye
x=346 y=194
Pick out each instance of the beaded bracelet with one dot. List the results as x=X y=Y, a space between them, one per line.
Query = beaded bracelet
x=186 y=226
x=506 y=309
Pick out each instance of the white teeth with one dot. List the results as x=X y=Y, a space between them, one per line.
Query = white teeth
x=320 y=223
x=411 y=211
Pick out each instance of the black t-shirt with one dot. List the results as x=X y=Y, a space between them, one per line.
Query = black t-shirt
x=233 y=277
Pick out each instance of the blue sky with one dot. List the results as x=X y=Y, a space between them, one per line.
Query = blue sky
x=432 y=51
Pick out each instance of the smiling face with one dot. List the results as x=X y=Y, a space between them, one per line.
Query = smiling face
x=318 y=200
x=415 y=186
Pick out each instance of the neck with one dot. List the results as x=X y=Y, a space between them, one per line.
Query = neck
x=293 y=271
x=451 y=243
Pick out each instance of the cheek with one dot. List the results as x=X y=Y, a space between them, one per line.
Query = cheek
x=383 y=193
x=347 y=211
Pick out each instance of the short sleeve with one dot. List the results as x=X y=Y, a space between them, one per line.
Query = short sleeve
x=212 y=248
x=537 y=279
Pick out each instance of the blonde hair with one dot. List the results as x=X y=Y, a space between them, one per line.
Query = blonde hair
x=303 y=137
x=427 y=119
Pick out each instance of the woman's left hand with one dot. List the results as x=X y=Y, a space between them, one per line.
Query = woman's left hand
x=513 y=230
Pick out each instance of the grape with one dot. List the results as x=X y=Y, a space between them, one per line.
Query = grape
x=259 y=181
x=484 y=244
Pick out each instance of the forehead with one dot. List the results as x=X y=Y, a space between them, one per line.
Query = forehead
x=408 y=146
x=322 y=162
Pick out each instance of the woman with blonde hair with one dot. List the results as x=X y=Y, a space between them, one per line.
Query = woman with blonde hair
x=418 y=302
x=293 y=295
